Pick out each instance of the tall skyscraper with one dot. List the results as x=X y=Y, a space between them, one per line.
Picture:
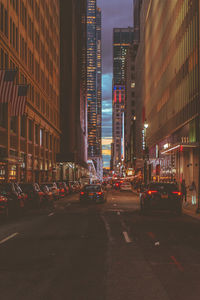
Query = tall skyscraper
x=122 y=38
x=92 y=78
x=99 y=80
x=94 y=95
x=73 y=154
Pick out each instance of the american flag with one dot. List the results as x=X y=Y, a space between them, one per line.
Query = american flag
x=6 y=85
x=18 y=102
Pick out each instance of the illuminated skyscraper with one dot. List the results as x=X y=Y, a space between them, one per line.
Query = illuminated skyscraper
x=94 y=73
x=99 y=80
x=122 y=38
x=91 y=78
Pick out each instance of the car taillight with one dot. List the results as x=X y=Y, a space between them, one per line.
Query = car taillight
x=99 y=193
x=151 y=192
x=82 y=193
x=62 y=190
x=177 y=193
x=117 y=184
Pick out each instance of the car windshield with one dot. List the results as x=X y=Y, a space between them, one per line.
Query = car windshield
x=26 y=187
x=163 y=186
x=7 y=188
x=92 y=188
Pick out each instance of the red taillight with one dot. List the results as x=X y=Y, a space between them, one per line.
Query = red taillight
x=62 y=190
x=82 y=193
x=151 y=192
x=177 y=193
x=117 y=184
x=99 y=193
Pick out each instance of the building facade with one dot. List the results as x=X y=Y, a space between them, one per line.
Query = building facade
x=72 y=159
x=99 y=81
x=94 y=85
x=171 y=98
x=29 y=43
x=130 y=109
x=122 y=38
x=92 y=78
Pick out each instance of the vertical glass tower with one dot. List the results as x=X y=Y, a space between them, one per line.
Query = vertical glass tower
x=99 y=79
x=91 y=78
x=122 y=38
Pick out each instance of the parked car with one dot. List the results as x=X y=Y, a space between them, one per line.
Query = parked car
x=63 y=189
x=92 y=193
x=161 y=196
x=117 y=184
x=3 y=205
x=16 y=198
x=48 y=195
x=54 y=189
x=126 y=186
x=34 y=193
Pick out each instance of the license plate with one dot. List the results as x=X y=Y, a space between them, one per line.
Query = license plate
x=164 y=196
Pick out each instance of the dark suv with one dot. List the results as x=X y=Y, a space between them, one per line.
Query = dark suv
x=161 y=196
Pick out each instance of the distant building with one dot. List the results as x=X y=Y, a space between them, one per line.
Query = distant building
x=30 y=43
x=94 y=82
x=72 y=160
x=130 y=108
x=122 y=39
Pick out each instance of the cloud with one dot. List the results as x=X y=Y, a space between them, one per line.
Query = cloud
x=107 y=86
x=106 y=141
x=106 y=152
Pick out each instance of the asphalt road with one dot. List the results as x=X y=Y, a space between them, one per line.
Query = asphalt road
x=96 y=252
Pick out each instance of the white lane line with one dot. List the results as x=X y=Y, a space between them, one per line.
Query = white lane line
x=118 y=213
x=108 y=230
x=51 y=214
x=9 y=237
x=126 y=236
x=114 y=204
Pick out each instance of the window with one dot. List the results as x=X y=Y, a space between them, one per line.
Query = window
x=13 y=124
x=3 y=114
x=41 y=137
x=37 y=134
x=23 y=127
x=30 y=130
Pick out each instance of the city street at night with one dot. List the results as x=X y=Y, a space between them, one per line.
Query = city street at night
x=102 y=251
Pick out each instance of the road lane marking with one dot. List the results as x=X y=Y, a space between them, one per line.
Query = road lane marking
x=51 y=214
x=9 y=237
x=108 y=229
x=179 y=266
x=126 y=236
x=118 y=213
x=114 y=204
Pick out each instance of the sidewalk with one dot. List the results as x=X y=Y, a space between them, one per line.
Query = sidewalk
x=190 y=209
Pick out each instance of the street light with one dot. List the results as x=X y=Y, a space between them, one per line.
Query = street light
x=146 y=125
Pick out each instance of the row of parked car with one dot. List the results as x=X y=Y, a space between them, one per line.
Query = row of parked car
x=16 y=198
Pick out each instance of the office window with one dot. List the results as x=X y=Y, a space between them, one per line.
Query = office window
x=23 y=127
x=30 y=130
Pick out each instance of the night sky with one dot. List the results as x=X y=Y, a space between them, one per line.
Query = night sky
x=115 y=13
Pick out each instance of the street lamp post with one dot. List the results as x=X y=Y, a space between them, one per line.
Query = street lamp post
x=145 y=152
